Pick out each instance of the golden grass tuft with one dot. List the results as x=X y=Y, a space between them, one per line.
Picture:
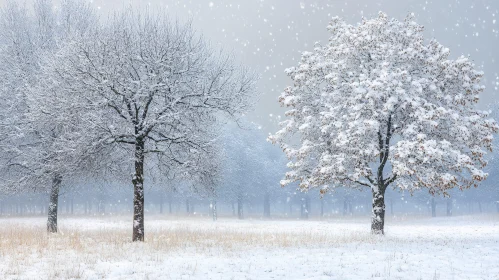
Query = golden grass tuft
x=25 y=247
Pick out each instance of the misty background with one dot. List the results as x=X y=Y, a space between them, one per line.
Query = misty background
x=269 y=36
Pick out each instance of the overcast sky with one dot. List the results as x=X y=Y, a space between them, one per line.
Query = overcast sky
x=269 y=35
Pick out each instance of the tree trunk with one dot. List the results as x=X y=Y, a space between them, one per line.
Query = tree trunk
x=433 y=207
x=161 y=203
x=86 y=207
x=322 y=207
x=480 y=207
x=138 y=192
x=72 y=206
x=307 y=204
x=345 y=207
x=378 y=214
x=214 y=210
x=102 y=207
x=302 y=209
x=378 y=190
x=240 y=214
x=266 y=205
x=305 y=207
x=170 y=204
x=54 y=200
x=187 y=209
x=449 y=207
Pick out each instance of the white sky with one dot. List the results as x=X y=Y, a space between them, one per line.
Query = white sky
x=268 y=35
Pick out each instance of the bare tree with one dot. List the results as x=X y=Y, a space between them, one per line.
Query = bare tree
x=35 y=156
x=152 y=88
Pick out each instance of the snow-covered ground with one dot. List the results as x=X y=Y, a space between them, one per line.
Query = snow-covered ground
x=465 y=247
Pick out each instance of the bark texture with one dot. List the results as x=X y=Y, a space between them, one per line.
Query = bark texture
x=138 y=193
x=380 y=184
x=378 y=217
x=53 y=204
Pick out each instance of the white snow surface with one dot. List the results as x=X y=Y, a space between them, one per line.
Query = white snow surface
x=464 y=247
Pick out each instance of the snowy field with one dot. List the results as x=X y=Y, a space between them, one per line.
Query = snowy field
x=465 y=247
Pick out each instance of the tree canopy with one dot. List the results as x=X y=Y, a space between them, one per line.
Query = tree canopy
x=378 y=105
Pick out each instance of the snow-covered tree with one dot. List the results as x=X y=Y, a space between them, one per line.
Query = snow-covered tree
x=208 y=177
x=33 y=144
x=491 y=190
x=237 y=173
x=272 y=164
x=380 y=106
x=158 y=87
x=201 y=177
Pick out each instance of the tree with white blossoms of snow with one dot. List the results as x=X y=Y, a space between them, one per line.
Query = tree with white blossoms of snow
x=379 y=106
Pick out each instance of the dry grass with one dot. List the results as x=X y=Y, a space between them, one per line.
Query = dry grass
x=18 y=238
x=95 y=248
x=25 y=247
